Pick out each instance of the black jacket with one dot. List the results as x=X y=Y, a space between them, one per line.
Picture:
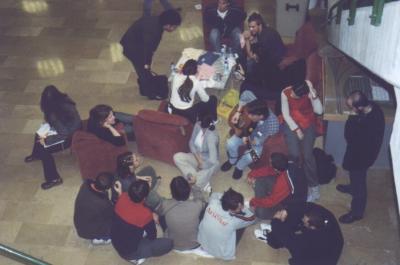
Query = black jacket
x=142 y=39
x=93 y=213
x=233 y=19
x=364 y=135
x=307 y=246
x=64 y=129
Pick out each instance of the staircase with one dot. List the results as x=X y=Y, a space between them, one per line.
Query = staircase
x=370 y=39
x=371 y=36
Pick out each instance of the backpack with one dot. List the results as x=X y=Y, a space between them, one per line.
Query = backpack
x=155 y=86
x=326 y=168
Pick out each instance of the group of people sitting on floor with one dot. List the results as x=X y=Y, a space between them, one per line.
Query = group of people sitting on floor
x=123 y=207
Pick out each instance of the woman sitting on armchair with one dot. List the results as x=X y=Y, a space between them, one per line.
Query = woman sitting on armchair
x=101 y=123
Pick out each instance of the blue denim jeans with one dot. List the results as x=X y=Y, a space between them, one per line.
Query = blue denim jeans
x=215 y=40
x=232 y=147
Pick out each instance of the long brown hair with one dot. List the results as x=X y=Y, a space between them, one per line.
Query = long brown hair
x=189 y=68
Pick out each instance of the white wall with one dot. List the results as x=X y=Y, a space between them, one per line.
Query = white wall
x=377 y=48
x=395 y=147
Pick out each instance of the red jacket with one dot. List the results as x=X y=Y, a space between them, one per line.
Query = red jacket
x=280 y=191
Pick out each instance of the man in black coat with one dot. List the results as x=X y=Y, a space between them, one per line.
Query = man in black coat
x=309 y=231
x=225 y=21
x=142 y=39
x=364 y=134
x=94 y=211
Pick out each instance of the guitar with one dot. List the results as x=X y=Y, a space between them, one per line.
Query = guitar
x=243 y=128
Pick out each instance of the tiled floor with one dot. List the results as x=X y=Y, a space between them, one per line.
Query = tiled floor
x=73 y=45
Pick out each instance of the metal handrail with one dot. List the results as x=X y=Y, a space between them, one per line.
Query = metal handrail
x=376 y=16
x=20 y=256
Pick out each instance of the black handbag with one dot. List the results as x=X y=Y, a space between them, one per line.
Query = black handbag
x=157 y=86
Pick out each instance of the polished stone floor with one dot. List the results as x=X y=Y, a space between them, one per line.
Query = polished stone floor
x=73 y=44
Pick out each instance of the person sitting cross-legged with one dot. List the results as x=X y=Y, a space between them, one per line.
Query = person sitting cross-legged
x=266 y=124
x=276 y=185
x=133 y=230
x=223 y=224
x=203 y=160
x=180 y=216
x=93 y=209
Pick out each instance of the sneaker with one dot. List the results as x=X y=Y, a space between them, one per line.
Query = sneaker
x=207 y=188
x=267 y=227
x=237 y=174
x=49 y=184
x=202 y=253
x=313 y=194
x=226 y=166
x=137 y=261
x=97 y=241
x=261 y=235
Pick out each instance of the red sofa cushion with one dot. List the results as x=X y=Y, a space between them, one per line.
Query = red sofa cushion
x=160 y=135
x=94 y=154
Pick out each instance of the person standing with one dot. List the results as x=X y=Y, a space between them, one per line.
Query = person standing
x=363 y=134
x=141 y=40
x=300 y=103
x=225 y=20
x=62 y=120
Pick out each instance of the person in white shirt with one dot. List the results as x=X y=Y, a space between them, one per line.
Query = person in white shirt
x=223 y=224
x=300 y=104
x=184 y=88
x=203 y=160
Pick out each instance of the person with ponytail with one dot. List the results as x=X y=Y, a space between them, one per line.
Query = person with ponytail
x=203 y=160
x=183 y=90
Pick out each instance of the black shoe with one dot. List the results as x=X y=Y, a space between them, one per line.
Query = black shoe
x=343 y=188
x=49 y=184
x=30 y=158
x=226 y=166
x=237 y=174
x=349 y=218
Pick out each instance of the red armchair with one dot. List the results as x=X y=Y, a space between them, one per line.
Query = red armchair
x=160 y=135
x=94 y=154
x=206 y=29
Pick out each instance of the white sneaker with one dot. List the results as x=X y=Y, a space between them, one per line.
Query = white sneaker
x=101 y=241
x=202 y=253
x=313 y=194
x=137 y=261
x=261 y=235
x=207 y=188
x=267 y=227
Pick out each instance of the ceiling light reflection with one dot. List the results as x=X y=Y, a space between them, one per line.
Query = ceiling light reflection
x=50 y=67
x=34 y=6
x=190 y=33
x=116 y=52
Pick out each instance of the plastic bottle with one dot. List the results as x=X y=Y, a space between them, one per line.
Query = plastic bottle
x=226 y=66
